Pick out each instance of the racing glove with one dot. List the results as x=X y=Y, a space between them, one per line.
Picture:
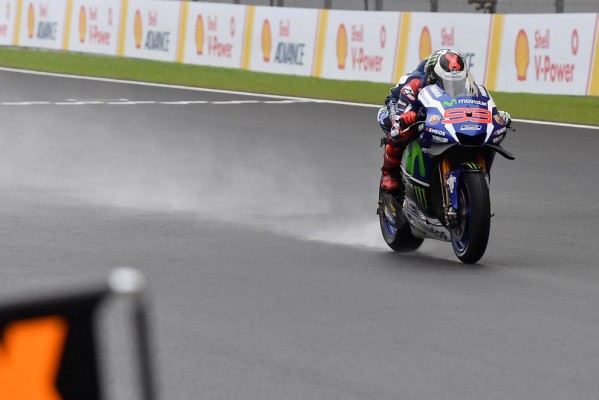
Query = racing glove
x=506 y=117
x=398 y=132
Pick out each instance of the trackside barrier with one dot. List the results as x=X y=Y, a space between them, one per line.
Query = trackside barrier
x=534 y=53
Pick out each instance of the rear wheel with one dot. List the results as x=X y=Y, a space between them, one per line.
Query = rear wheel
x=394 y=227
x=470 y=236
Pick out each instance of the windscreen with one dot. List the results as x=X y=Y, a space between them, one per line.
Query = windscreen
x=455 y=85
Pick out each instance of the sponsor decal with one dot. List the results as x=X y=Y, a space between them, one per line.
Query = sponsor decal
x=415 y=155
x=498 y=119
x=288 y=52
x=426 y=46
x=408 y=92
x=439 y=139
x=266 y=40
x=500 y=132
x=434 y=119
x=472 y=101
x=451 y=181
x=88 y=23
x=453 y=102
x=4 y=27
x=82 y=24
x=483 y=91
x=420 y=196
x=546 y=68
x=448 y=37
x=471 y=128
x=41 y=29
x=361 y=60
x=200 y=34
x=137 y=29
x=436 y=91
x=341 y=46
x=216 y=47
x=522 y=54
x=436 y=131
x=156 y=40
x=574 y=42
x=30 y=21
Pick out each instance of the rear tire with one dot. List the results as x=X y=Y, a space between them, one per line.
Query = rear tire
x=400 y=240
x=470 y=237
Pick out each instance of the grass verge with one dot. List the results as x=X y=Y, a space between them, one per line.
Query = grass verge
x=574 y=109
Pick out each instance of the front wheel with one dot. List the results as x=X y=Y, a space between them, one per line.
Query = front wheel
x=469 y=237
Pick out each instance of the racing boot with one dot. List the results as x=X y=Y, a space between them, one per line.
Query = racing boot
x=391 y=163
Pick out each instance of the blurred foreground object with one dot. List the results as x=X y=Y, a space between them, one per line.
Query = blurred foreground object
x=49 y=342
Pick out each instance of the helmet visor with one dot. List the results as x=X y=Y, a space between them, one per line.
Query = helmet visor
x=459 y=84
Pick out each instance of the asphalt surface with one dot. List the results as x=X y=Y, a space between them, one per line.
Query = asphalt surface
x=254 y=224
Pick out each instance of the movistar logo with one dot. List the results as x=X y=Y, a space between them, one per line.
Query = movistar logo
x=415 y=154
x=420 y=196
x=453 y=102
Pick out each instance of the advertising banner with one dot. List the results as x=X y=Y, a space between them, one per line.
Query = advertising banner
x=214 y=35
x=283 y=40
x=152 y=30
x=466 y=33
x=95 y=26
x=361 y=46
x=546 y=53
x=8 y=12
x=42 y=23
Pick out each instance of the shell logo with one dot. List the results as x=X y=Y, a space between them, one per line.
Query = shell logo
x=426 y=46
x=30 y=21
x=341 y=46
x=82 y=24
x=522 y=54
x=137 y=29
x=574 y=42
x=266 y=40
x=200 y=35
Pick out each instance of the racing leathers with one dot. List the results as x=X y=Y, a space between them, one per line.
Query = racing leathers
x=395 y=119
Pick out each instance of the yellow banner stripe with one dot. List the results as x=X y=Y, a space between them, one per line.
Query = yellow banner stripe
x=182 y=31
x=494 y=51
x=67 y=25
x=594 y=81
x=403 y=39
x=122 y=27
x=247 y=43
x=321 y=36
x=17 y=33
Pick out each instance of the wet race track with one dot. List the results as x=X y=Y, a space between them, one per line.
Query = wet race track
x=254 y=221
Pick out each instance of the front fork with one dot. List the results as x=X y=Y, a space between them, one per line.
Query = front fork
x=450 y=177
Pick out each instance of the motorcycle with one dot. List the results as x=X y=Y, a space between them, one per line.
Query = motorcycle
x=446 y=173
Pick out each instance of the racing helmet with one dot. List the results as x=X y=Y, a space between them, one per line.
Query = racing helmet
x=448 y=69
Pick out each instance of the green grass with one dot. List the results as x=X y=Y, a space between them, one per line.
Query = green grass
x=575 y=109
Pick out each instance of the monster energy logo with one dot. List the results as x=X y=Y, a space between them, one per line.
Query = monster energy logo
x=472 y=166
x=420 y=196
x=414 y=154
x=453 y=102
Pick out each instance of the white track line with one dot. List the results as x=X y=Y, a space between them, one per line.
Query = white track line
x=272 y=96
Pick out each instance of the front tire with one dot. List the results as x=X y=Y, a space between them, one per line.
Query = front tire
x=470 y=236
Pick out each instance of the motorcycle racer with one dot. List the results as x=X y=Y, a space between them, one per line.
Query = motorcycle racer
x=397 y=117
